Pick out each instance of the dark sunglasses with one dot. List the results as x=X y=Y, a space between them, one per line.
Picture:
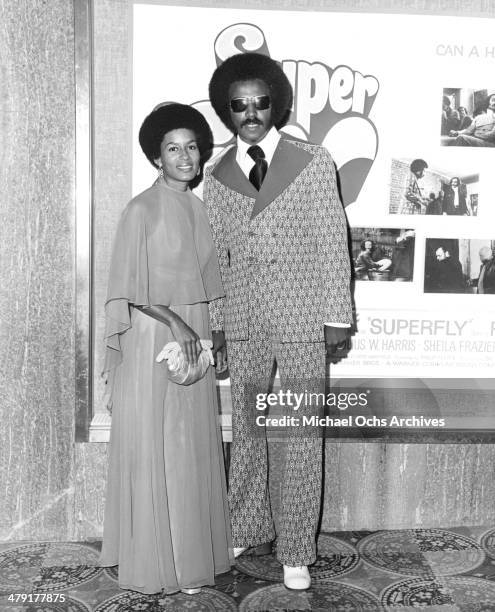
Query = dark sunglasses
x=239 y=105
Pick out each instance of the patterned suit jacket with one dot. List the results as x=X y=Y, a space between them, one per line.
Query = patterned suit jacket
x=296 y=225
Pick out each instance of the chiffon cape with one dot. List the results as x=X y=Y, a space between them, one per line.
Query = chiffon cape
x=163 y=254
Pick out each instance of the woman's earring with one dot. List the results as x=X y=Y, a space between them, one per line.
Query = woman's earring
x=198 y=172
x=160 y=172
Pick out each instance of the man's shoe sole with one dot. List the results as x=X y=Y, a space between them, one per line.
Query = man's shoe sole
x=291 y=589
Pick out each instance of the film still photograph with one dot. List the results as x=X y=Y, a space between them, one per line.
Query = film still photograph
x=421 y=186
x=459 y=265
x=468 y=117
x=383 y=254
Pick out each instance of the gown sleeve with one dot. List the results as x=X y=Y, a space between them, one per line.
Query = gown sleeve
x=128 y=279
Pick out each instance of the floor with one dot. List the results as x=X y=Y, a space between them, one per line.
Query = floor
x=437 y=569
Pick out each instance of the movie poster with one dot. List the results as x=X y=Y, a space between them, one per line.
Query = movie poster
x=409 y=119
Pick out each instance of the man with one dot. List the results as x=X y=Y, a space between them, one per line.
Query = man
x=447 y=277
x=370 y=259
x=466 y=120
x=403 y=256
x=481 y=132
x=415 y=196
x=434 y=206
x=455 y=198
x=486 y=280
x=281 y=238
x=450 y=117
x=364 y=262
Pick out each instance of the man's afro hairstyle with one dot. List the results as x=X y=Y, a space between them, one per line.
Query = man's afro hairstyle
x=249 y=67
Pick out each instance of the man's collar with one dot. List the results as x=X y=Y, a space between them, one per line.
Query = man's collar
x=289 y=160
x=268 y=143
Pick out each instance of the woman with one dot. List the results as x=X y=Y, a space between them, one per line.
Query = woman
x=166 y=519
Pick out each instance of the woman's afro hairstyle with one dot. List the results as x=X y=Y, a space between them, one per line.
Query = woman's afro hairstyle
x=249 y=67
x=173 y=116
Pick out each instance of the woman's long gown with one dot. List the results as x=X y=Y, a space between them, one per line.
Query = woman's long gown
x=166 y=518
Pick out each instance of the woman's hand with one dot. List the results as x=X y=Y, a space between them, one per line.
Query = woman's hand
x=187 y=338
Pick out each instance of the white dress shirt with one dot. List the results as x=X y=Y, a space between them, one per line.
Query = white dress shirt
x=456 y=197
x=268 y=143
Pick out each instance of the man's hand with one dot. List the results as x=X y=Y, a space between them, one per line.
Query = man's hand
x=453 y=133
x=336 y=342
x=219 y=351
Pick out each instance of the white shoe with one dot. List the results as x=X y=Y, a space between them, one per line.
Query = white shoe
x=191 y=591
x=239 y=550
x=297 y=578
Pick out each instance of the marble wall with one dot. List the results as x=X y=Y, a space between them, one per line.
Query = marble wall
x=397 y=486
x=366 y=486
x=36 y=268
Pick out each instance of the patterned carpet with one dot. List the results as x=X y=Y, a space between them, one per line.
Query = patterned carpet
x=434 y=569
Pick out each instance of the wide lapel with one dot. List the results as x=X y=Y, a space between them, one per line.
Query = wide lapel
x=229 y=173
x=287 y=163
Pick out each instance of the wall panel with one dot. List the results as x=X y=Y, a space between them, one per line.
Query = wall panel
x=36 y=268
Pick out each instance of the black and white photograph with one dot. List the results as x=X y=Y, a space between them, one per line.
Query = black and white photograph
x=459 y=265
x=423 y=186
x=468 y=117
x=383 y=254
x=223 y=385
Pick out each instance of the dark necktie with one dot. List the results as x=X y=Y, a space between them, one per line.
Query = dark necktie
x=258 y=171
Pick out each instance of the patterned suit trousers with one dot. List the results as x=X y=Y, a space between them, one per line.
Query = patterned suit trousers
x=251 y=365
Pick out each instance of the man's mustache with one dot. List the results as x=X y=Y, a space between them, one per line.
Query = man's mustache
x=251 y=122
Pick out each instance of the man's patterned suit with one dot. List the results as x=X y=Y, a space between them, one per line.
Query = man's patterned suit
x=285 y=268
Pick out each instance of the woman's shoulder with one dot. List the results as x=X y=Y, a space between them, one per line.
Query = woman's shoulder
x=198 y=206
x=195 y=200
x=142 y=203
